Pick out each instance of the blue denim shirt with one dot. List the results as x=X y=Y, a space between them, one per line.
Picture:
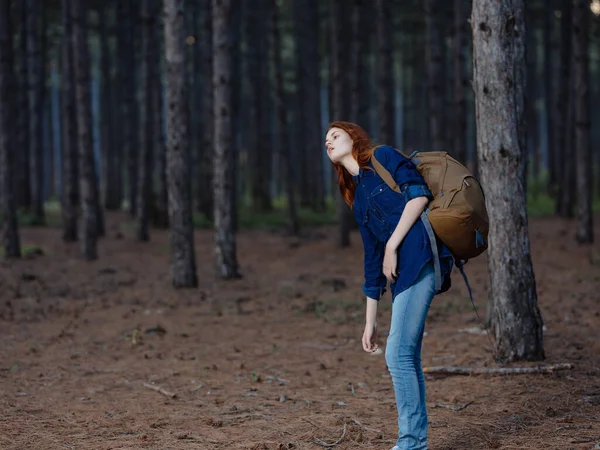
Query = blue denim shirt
x=377 y=210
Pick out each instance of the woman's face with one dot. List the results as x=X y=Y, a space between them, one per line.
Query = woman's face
x=339 y=145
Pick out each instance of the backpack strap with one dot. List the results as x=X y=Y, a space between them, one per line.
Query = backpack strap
x=461 y=264
x=389 y=180
x=436 y=256
x=385 y=175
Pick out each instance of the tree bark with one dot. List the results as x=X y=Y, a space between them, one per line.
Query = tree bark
x=459 y=45
x=110 y=178
x=205 y=157
x=260 y=142
x=565 y=196
x=282 y=121
x=178 y=173
x=88 y=181
x=338 y=108
x=583 y=151
x=36 y=92
x=433 y=51
x=70 y=171
x=225 y=240
x=8 y=86
x=146 y=112
x=386 y=71
x=160 y=210
x=131 y=144
x=22 y=179
x=499 y=83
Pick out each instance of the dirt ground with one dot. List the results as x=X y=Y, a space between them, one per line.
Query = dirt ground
x=274 y=360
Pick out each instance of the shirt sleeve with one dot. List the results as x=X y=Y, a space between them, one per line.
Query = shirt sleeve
x=404 y=172
x=375 y=280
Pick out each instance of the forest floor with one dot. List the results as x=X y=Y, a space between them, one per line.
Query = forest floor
x=274 y=360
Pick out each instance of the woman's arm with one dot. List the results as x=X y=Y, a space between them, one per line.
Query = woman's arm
x=412 y=212
x=369 y=340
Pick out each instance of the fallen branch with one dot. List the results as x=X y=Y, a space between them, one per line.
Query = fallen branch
x=326 y=445
x=355 y=421
x=453 y=370
x=197 y=438
x=458 y=407
x=160 y=390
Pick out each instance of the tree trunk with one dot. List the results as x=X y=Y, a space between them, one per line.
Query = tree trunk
x=8 y=86
x=205 y=156
x=531 y=95
x=583 y=151
x=550 y=47
x=225 y=241
x=22 y=179
x=70 y=172
x=338 y=110
x=282 y=121
x=110 y=179
x=160 y=210
x=131 y=144
x=89 y=226
x=178 y=159
x=499 y=83
x=362 y=39
x=303 y=31
x=565 y=195
x=459 y=45
x=260 y=143
x=386 y=71
x=36 y=92
x=433 y=51
x=236 y=96
x=146 y=121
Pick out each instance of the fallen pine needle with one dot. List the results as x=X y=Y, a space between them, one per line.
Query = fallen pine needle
x=454 y=370
x=160 y=390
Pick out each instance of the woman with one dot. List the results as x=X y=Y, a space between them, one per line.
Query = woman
x=396 y=249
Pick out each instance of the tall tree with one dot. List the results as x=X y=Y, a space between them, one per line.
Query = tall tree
x=205 y=156
x=183 y=255
x=459 y=131
x=385 y=71
x=359 y=111
x=282 y=120
x=499 y=83
x=36 y=80
x=308 y=105
x=225 y=242
x=565 y=127
x=70 y=171
x=144 y=178
x=583 y=151
x=339 y=105
x=22 y=179
x=260 y=141
x=160 y=210
x=435 y=89
x=111 y=174
x=10 y=234
x=88 y=182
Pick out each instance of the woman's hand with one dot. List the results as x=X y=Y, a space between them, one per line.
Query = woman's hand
x=369 y=339
x=390 y=262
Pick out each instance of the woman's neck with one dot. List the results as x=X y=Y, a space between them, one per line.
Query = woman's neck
x=351 y=165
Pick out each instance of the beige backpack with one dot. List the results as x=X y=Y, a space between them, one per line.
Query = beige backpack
x=457 y=212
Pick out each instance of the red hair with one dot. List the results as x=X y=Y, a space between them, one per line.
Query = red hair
x=362 y=150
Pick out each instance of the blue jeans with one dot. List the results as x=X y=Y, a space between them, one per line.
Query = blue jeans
x=403 y=358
